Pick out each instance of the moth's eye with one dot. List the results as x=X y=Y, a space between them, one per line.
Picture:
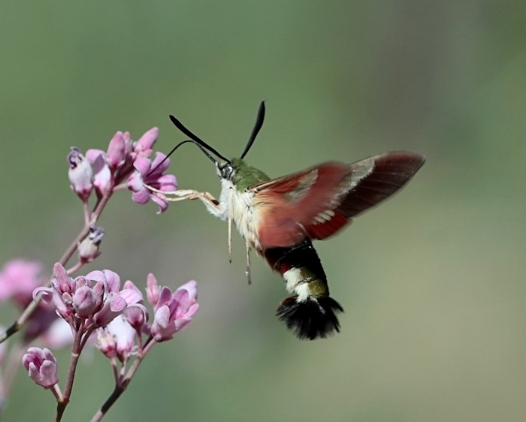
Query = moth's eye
x=225 y=170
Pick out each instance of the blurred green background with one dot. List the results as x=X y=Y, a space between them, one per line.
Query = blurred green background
x=433 y=282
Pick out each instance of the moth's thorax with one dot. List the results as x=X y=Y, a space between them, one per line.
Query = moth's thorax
x=240 y=174
x=237 y=205
x=236 y=200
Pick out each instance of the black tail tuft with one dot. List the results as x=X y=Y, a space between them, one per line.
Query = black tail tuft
x=311 y=319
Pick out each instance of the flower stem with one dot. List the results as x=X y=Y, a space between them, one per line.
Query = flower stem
x=120 y=387
x=26 y=314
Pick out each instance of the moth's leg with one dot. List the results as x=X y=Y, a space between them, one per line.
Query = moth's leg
x=210 y=202
x=248 y=264
x=189 y=194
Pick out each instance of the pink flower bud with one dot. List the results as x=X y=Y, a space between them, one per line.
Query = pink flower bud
x=152 y=290
x=84 y=302
x=62 y=281
x=116 y=151
x=106 y=343
x=42 y=366
x=80 y=174
x=143 y=147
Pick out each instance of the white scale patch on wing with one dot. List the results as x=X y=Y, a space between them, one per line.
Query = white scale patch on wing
x=361 y=170
x=301 y=190
x=323 y=216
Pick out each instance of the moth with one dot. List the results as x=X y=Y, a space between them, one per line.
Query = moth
x=279 y=218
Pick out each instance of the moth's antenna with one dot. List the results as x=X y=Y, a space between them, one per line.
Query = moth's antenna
x=171 y=152
x=257 y=128
x=196 y=139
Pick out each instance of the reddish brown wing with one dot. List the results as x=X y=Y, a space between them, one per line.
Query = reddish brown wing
x=321 y=200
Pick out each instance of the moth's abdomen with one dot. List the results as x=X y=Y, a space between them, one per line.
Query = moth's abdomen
x=312 y=318
x=310 y=312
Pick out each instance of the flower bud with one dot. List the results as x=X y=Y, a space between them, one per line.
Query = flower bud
x=42 y=366
x=152 y=290
x=80 y=174
x=116 y=151
x=88 y=249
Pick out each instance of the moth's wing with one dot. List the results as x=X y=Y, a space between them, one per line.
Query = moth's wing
x=320 y=201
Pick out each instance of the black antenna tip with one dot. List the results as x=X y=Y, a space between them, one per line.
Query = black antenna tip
x=257 y=127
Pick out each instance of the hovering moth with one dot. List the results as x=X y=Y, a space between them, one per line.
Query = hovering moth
x=279 y=218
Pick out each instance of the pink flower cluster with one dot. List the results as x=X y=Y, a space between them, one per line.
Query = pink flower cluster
x=91 y=301
x=124 y=164
x=95 y=303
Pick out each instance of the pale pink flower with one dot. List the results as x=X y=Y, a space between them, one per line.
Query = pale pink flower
x=106 y=343
x=136 y=315
x=103 y=179
x=58 y=335
x=151 y=174
x=42 y=366
x=116 y=300
x=124 y=335
x=174 y=312
x=94 y=298
x=80 y=174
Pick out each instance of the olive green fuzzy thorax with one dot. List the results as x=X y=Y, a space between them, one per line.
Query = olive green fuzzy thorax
x=245 y=176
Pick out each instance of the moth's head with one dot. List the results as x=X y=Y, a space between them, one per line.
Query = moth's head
x=224 y=169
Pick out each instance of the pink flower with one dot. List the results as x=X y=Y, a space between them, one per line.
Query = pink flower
x=123 y=335
x=116 y=300
x=136 y=315
x=116 y=165
x=42 y=366
x=94 y=298
x=151 y=173
x=174 y=311
x=18 y=279
x=143 y=147
x=103 y=179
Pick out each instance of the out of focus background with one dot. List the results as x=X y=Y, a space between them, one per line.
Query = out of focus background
x=433 y=282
